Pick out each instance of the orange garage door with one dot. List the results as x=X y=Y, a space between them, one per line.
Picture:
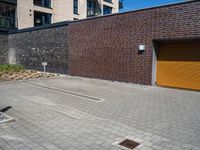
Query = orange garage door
x=178 y=65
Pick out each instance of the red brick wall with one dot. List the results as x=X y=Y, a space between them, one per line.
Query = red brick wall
x=107 y=47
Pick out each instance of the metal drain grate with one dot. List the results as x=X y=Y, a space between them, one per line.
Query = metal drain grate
x=129 y=144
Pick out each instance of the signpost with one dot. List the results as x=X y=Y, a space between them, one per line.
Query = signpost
x=44 y=64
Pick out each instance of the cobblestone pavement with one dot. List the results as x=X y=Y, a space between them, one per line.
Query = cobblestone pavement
x=71 y=113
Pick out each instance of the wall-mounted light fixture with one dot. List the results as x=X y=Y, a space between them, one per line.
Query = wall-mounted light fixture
x=141 y=48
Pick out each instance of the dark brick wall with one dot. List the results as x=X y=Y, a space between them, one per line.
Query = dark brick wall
x=31 y=48
x=3 y=49
x=107 y=47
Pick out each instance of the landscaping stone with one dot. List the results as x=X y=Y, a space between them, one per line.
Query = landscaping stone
x=24 y=75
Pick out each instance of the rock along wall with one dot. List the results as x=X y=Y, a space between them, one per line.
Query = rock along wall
x=32 y=47
x=3 y=48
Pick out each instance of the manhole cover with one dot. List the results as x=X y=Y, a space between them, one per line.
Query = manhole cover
x=129 y=144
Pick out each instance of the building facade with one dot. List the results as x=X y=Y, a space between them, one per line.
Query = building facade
x=29 y=13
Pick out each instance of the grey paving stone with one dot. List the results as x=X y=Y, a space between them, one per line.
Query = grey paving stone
x=158 y=118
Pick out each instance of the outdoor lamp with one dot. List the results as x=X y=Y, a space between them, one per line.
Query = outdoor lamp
x=141 y=48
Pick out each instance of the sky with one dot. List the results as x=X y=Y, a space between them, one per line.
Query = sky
x=139 y=4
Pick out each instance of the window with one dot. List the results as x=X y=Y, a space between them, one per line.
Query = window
x=41 y=18
x=7 y=15
x=109 y=1
x=107 y=10
x=43 y=3
x=91 y=8
x=121 y=4
x=75 y=6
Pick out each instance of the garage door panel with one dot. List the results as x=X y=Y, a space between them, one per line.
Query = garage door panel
x=179 y=65
x=188 y=51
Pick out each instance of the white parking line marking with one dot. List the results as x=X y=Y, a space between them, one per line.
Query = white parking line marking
x=91 y=98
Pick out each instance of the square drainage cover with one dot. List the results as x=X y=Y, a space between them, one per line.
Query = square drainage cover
x=129 y=144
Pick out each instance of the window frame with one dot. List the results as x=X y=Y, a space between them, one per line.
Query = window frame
x=76 y=7
x=8 y=15
x=105 y=6
x=42 y=4
x=91 y=9
x=49 y=17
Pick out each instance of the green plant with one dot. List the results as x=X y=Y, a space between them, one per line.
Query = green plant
x=10 y=68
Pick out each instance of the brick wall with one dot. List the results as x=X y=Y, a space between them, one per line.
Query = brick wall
x=3 y=49
x=31 y=48
x=107 y=47
x=103 y=47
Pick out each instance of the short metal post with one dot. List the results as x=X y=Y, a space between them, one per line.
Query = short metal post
x=44 y=69
x=44 y=64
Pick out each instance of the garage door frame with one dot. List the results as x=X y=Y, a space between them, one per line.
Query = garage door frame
x=156 y=52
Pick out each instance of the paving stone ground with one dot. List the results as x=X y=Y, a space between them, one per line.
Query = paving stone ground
x=69 y=113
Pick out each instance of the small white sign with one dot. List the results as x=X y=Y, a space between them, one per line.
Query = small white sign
x=44 y=63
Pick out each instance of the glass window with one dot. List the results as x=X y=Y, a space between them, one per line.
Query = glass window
x=109 y=1
x=41 y=18
x=121 y=5
x=107 y=10
x=7 y=15
x=75 y=6
x=91 y=8
x=43 y=3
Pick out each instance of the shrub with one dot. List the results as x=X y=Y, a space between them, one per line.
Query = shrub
x=10 y=68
